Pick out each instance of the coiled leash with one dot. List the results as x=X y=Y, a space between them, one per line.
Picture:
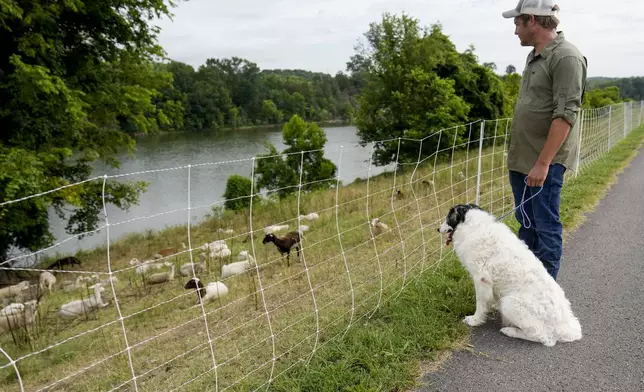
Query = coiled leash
x=524 y=215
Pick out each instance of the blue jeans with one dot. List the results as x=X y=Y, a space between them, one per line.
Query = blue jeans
x=544 y=232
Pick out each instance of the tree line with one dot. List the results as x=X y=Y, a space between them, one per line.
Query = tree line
x=234 y=92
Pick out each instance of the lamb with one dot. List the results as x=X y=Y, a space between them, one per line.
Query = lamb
x=378 y=227
x=18 y=316
x=12 y=291
x=84 y=306
x=186 y=269
x=285 y=243
x=71 y=260
x=212 y=291
x=161 y=277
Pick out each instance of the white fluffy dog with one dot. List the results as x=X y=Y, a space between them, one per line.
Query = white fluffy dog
x=532 y=305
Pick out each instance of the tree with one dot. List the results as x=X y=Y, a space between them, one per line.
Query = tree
x=77 y=81
x=404 y=95
x=237 y=193
x=598 y=98
x=510 y=69
x=280 y=172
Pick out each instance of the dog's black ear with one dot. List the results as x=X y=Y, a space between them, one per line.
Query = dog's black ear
x=457 y=214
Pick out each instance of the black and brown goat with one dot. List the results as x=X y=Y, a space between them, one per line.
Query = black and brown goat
x=70 y=260
x=285 y=243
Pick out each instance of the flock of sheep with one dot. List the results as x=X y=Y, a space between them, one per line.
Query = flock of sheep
x=21 y=300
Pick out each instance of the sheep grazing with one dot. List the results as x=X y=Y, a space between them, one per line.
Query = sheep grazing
x=212 y=291
x=12 y=291
x=148 y=265
x=310 y=217
x=71 y=260
x=161 y=277
x=84 y=306
x=378 y=227
x=186 y=269
x=236 y=268
x=274 y=228
x=285 y=243
x=18 y=315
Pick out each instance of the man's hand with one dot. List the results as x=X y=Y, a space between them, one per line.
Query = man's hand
x=538 y=174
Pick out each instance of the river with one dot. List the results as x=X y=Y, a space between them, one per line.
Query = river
x=168 y=189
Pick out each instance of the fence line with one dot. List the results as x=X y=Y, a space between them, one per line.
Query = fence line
x=271 y=316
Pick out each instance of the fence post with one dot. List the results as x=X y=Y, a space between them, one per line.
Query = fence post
x=478 y=171
x=640 y=119
x=625 y=119
x=581 y=129
x=610 y=112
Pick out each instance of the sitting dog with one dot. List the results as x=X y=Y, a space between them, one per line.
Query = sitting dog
x=508 y=274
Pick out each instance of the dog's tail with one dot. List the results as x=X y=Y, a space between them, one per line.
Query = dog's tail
x=570 y=331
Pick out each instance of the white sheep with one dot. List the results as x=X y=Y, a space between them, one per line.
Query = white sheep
x=148 y=265
x=83 y=306
x=236 y=268
x=212 y=291
x=186 y=269
x=20 y=316
x=161 y=277
x=221 y=254
x=217 y=246
x=47 y=279
x=377 y=226
x=310 y=217
x=274 y=228
x=12 y=291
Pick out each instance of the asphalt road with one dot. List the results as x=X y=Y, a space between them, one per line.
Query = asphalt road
x=602 y=274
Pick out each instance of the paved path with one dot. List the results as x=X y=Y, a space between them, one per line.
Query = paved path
x=602 y=274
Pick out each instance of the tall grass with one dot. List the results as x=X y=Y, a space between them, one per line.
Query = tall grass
x=392 y=298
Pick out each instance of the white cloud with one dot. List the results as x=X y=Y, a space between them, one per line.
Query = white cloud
x=319 y=35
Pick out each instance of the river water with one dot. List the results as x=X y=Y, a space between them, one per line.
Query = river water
x=213 y=157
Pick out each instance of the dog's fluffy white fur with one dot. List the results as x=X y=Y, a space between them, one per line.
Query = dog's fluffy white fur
x=507 y=275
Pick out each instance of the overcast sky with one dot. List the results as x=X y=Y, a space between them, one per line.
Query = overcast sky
x=319 y=35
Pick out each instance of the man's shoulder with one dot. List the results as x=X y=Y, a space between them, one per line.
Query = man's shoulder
x=566 y=49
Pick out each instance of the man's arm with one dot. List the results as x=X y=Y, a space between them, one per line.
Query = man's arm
x=567 y=88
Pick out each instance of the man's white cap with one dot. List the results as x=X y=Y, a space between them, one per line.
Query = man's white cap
x=533 y=7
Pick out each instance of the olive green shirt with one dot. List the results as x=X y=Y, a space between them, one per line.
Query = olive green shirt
x=552 y=86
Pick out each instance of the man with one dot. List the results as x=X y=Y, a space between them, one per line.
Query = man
x=545 y=129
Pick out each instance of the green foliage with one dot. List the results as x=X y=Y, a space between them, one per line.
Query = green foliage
x=235 y=93
x=417 y=83
x=630 y=88
x=602 y=97
x=280 y=172
x=237 y=192
x=77 y=81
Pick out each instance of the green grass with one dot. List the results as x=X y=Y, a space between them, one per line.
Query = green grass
x=404 y=310
x=384 y=354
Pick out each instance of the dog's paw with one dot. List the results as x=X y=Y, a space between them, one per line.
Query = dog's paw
x=473 y=321
x=509 y=331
